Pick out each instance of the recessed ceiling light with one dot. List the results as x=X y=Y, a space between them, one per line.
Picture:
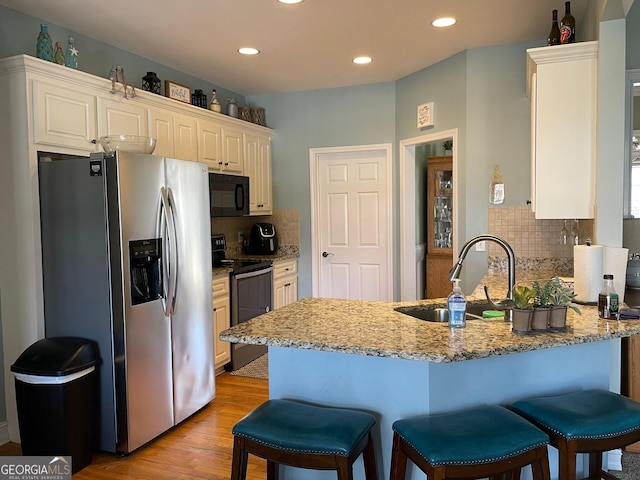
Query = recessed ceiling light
x=290 y=2
x=248 y=51
x=443 y=22
x=362 y=60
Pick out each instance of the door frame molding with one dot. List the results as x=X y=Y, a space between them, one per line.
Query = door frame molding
x=407 y=207
x=315 y=159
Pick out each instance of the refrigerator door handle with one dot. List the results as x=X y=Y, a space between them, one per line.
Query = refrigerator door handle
x=167 y=234
x=173 y=254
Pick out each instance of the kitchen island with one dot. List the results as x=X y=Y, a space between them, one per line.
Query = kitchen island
x=366 y=355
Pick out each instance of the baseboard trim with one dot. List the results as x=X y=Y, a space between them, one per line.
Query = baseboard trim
x=4 y=433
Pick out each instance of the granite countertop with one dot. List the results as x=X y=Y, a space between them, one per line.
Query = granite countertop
x=282 y=254
x=376 y=329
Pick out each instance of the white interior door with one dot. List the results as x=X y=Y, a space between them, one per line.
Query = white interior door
x=351 y=215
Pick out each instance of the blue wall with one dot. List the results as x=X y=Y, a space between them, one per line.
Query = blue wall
x=320 y=118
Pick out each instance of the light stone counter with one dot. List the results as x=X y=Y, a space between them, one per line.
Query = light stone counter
x=376 y=329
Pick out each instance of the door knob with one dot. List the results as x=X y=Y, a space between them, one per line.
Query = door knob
x=326 y=254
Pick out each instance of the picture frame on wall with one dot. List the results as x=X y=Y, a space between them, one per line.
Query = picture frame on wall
x=425 y=115
x=176 y=91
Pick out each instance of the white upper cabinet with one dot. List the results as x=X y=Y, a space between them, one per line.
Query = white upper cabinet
x=562 y=87
x=232 y=149
x=257 y=166
x=63 y=117
x=121 y=116
x=185 y=137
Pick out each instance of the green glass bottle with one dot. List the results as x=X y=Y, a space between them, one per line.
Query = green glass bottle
x=44 y=46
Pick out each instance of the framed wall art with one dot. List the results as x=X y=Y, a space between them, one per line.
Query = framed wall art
x=425 y=115
x=177 y=92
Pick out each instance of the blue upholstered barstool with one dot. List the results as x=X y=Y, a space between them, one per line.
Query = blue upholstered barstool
x=486 y=441
x=305 y=436
x=588 y=421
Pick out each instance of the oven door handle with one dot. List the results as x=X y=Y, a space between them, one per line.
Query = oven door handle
x=255 y=273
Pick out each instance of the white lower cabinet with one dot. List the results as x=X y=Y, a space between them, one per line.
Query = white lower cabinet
x=285 y=282
x=221 y=320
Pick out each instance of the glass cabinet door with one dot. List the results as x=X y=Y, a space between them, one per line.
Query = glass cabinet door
x=440 y=205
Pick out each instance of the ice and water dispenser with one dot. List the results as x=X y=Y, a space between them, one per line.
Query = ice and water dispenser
x=145 y=258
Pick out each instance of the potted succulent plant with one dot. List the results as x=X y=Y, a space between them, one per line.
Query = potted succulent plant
x=523 y=300
x=560 y=298
x=541 y=305
x=448 y=147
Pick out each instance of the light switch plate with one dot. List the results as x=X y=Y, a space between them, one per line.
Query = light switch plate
x=481 y=247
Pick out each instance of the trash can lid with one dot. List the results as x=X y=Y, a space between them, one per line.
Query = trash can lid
x=57 y=357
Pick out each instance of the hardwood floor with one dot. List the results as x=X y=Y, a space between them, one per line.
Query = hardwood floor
x=198 y=448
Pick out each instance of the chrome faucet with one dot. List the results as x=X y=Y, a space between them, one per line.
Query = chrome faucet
x=455 y=271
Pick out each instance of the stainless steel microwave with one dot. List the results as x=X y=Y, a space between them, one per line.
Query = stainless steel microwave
x=228 y=195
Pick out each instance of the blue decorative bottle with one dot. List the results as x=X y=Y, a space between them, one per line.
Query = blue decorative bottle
x=71 y=55
x=44 y=47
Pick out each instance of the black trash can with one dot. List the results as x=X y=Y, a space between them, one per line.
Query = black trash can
x=57 y=398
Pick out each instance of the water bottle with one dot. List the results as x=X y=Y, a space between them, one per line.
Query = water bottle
x=457 y=305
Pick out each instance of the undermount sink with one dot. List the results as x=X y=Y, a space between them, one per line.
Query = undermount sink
x=439 y=313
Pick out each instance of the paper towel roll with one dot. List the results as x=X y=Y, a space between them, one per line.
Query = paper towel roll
x=587 y=272
x=615 y=262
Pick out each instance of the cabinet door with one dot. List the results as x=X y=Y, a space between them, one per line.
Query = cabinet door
x=63 y=117
x=210 y=145
x=119 y=116
x=438 y=284
x=563 y=92
x=221 y=320
x=266 y=187
x=257 y=166
x=232 y=149
x=185 y=137
x=161 y=128
x=439 y=205
x=285 y=283
x=285 y=291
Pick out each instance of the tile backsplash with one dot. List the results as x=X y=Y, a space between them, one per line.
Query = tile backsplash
x=533 y=241
x=286 y=222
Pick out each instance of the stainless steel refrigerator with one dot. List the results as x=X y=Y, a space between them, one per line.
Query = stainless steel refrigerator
x=126 y=259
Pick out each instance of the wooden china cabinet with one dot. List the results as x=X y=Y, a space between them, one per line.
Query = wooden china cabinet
x=439 y=226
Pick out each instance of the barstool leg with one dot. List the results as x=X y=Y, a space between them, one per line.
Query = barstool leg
x=239 y=460
x=595 y=465
x=540 y=468
x=345 y=472
x=273 y=470
x=567 y=455
x=398 y=460
x=369 y=459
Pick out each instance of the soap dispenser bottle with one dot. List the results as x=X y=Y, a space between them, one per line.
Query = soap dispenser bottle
x=457 y=306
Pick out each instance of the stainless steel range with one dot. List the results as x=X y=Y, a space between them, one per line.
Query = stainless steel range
x=251 y=295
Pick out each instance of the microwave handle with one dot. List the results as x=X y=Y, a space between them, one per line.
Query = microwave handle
x=239 y=197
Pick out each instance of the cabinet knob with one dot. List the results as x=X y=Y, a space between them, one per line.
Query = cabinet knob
x=94 y=141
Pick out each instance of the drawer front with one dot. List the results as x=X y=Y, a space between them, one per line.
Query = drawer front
x=284 y=268
x=220 y=286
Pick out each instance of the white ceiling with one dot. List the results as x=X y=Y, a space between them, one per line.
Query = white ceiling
x=303 y=47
